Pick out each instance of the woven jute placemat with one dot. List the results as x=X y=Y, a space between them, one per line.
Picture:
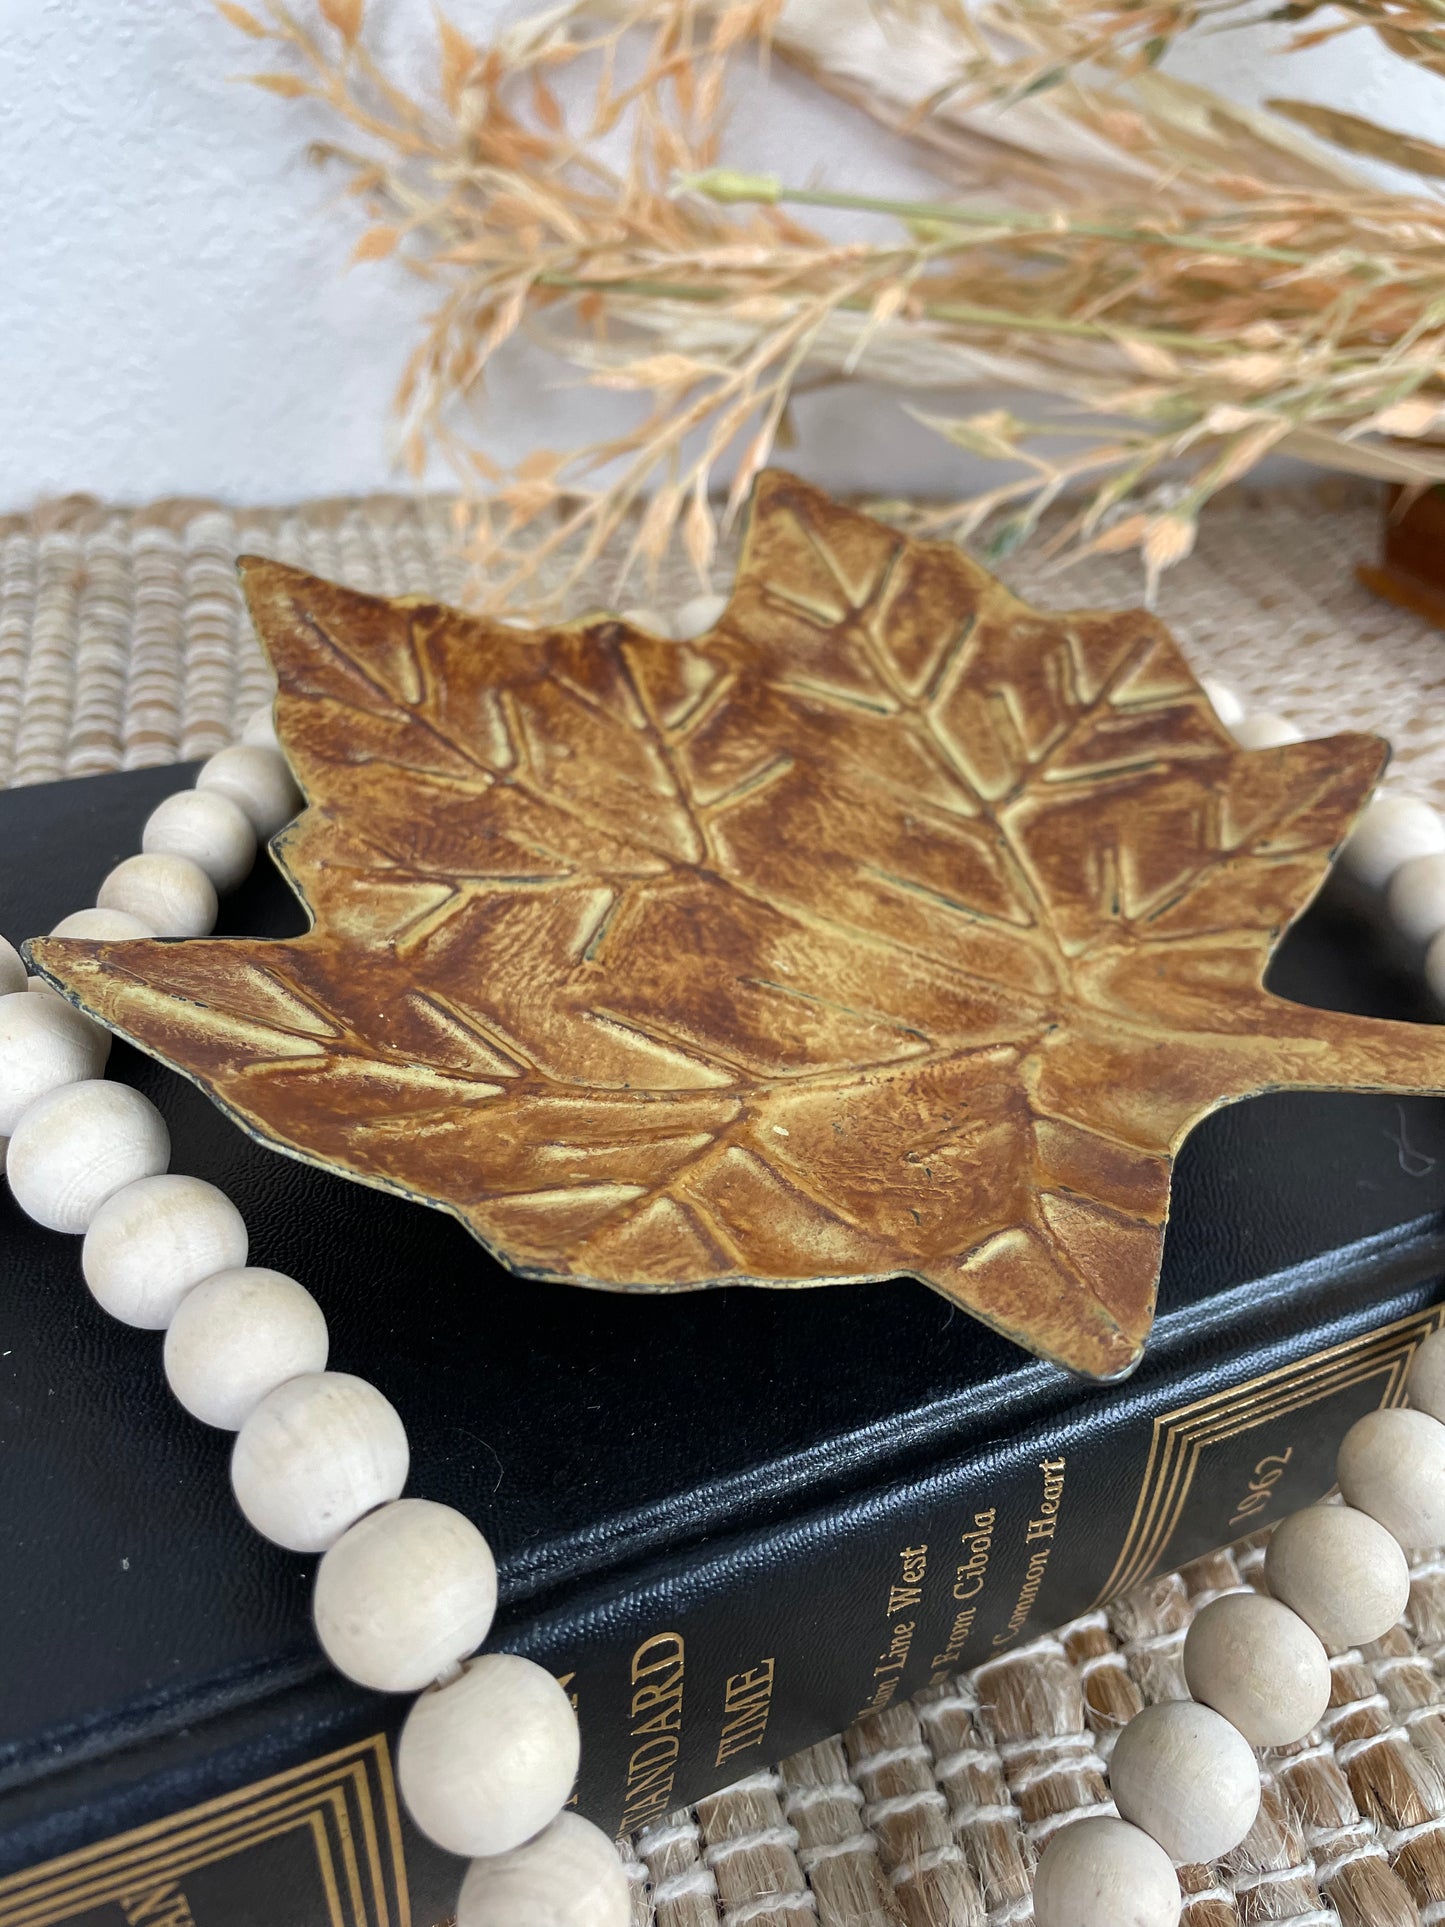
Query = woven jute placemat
x=124 y=642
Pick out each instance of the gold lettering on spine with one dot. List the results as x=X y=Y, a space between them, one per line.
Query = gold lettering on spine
x=904 y=1592
x=747 y=1702
x=968 y=1582
x=657 y=1679
x=1040 y=1533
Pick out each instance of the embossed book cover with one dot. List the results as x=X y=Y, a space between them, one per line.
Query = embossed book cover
x=732 y=1520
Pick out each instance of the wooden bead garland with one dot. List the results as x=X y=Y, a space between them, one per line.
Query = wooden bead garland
x=569 y=1876
x=260 y=730
x=1263 y=730
x=207 y=827
x=1100 y=1873
x=107 y=925
x=488 y=1758
x=44 y=1044
x=1392 y=1465
x=1390 y=830
x=258 y=781
x=405 y=1595
x=237 y=1336
x=153 y=1240
x=313 y=1455
x=1341 y=1572
x=1415 y=897
x=167 y=892
x=76 y=1146
x=1259 y=1664
x=696 y=617
x=1187 y=1777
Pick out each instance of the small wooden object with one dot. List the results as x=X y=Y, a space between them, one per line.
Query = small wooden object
x=153 y=1240
x=316 y=1454
x=236 y=1337
x=1411 y=570
x=1392 y=1465
x=1259 y=1664
x=1099 y=1873
x=1187 y=1777
x=569 y=1876
x=488 y=1759
x=44 y=1044
x=209 y=828
x=406 y=1594
x=76 y=1146
x=170 y=894
x=257 y=780
x=1341 y=1572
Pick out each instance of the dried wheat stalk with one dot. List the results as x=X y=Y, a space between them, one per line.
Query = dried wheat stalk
x=1182 y=285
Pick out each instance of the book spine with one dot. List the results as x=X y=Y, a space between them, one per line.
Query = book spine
x=728 y=1658
x=700 y=1669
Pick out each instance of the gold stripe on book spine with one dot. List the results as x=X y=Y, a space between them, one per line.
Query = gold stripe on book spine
x=1180 y=1437
x=345 y=1802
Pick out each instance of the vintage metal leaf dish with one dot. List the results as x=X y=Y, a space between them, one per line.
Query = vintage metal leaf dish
x=891 y=927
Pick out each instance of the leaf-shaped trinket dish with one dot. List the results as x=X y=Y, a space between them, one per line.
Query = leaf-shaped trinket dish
x=891 y=927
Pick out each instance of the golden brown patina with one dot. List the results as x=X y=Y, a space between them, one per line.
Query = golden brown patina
x=891 y=927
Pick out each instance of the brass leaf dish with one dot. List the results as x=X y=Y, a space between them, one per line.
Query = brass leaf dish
x=892 y=927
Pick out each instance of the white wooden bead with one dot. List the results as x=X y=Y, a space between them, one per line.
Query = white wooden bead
x=1098 y=1873
x=76 y=1146
x=1435 y=967
x=1340 y=1571
x=1262 y=729
x=314 y=1455
x=44 y=1043
x=404 y=1595
x=1390 y=830
x=569 y=1876
x=168 y=892
x=260 y=729
x=153 y=1240
x=101 y=1038
x=104 y=926
x=12 y=970
x=696 y=617
x=258 y=781
x=1225 y=704
x=1182 y=1773
x=1415 y=899
x=1257 y=1662
x=1425 y=1383
x=209 y=828
x=647 y=619
x=1392 y=1465
x=488 y=1759
x=236 y=1337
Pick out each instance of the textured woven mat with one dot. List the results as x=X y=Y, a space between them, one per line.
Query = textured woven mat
x=123 y=639
x=123 y=642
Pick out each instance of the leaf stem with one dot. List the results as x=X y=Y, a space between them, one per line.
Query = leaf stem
x=967 y=314
x=723 y=185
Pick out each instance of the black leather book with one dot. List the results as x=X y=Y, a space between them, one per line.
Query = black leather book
x=732 y=1520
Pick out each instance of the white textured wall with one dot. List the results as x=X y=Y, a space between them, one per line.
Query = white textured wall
x=176 y=313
